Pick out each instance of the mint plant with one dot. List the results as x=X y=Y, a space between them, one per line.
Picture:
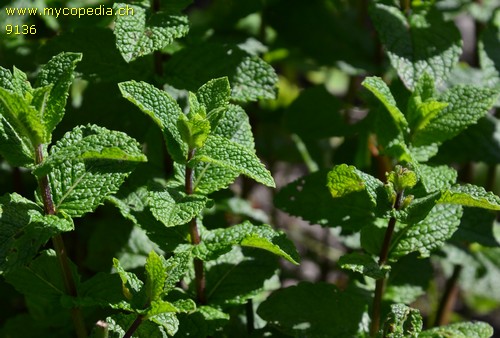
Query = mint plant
x=74 y=176
x=377 y=119
x=211 y=145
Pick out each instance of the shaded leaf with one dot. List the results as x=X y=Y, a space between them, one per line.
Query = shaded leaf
x=141 y=33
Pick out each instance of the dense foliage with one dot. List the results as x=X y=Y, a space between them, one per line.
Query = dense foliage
x=138 y=154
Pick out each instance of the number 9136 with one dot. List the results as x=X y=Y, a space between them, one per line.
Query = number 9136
x=20 y=29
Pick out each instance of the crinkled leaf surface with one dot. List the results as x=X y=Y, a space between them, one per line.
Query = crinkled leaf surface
x=435 y=178
x=155 y=276
x=343 y=180
x=251 y=78
x=428 y=234
x=466 y=105
x=471 y=196
x=459 y=330
x=423 y=42
x=92 y=143
x=24 y=230
x=143 y=33
x=380 y=89
x=402 y=321
x=22 y=117
x=314 y=310
x=231 y=155
x=133 y=203
x=235 y=126
x=164 y=111
x=118 y=325
x=309 y=198
x=79 y=186
x=58 y=72
x=361 y=263
x=214 y=94
x=220 y=241
x=174 y=207
x=176 y=267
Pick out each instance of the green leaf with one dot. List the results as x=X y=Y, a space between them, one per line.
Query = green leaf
x=460 y=330
x=380 y=89
x=436 y=178
x=155 y=277
x=314 y=310
x=233 y=125
x=214 y=95
x=15 y=148
x=133 y=204
x=194 y=129
x=417 y=44
x=422 y=105
x=409 y=279
x=164 y=111
x=428 y=234
x=471 y=196
x=250 y=77
x=24 y=230
x=478 y=143
x=174 y=207
x=402 y=322
x=118 y=325
x=361 y=263
x=42 y=284
x=402 y=178
x=309 y=198
x=141 y=33
x=78 y=186
x=220 y=241
x=93 y=144
x=22 y=117
x=102 y=289
x=202 y=323
x=466 y=105
x=239 y=275
x=343 y=180
x=231 y=155
x=176 y=267
x=58 y=72
x=132 y=288
x=477 y=226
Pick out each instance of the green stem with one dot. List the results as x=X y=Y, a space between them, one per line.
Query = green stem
x=312 y=166
x=384 y=254
x=195 y=237
x=58 y=243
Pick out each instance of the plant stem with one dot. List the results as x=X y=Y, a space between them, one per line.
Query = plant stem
x=449 y=299
x=195 y=237
x=58 y=243
x=133 y=327
x=380 y=283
